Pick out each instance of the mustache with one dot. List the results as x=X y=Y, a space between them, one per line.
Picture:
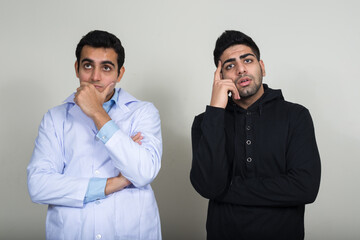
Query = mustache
x=242 y=76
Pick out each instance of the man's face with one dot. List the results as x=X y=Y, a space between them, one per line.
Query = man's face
x=240 y=64
x=98 y=66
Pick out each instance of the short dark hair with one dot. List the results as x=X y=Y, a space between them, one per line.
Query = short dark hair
x=230 y=38
x=99 y=39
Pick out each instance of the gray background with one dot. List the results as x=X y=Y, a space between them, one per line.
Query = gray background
x=310 y=50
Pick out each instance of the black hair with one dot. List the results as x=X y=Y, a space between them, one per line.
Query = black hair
x=99 y=39
x=230 y=38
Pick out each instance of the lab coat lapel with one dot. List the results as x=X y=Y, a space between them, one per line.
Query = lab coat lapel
x=115 y=113
x=78 y=114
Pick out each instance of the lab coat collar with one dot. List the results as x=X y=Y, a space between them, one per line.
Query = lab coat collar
x=124 y=98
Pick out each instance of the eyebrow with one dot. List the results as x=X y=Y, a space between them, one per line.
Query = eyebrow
x=103 y=62
x=241 y=57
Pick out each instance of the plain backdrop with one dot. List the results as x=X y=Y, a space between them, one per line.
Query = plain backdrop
x=310 y=50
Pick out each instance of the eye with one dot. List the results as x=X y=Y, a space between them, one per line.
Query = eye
x=230 y=66
x=248 y=60
x=107 y=68
x=87 y=66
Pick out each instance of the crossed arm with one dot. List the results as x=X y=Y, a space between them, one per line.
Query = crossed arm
x=117 y=183
x=47 y=184
x=90 y=101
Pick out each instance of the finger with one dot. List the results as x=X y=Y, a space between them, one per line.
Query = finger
x=139 y=140
x=137 y=137
x=225 y=81
x=85 y=86
x=234 y=92
x=218 y=72
x=228 y=85
x=78 y=90
x=224 y=85
x=82 y=84
x=237 y=95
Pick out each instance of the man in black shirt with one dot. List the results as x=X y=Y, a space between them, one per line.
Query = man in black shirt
x=254 y=154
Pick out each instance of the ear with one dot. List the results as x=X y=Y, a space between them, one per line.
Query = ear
x=262 y=68
x=121 y=73
x=76 y=69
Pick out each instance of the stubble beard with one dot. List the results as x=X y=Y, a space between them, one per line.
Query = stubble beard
x=251 y=89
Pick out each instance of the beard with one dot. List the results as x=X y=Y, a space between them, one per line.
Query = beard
x=252 y=88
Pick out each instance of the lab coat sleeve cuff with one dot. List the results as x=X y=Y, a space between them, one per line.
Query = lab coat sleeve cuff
x=107 y=131
x=96 y=189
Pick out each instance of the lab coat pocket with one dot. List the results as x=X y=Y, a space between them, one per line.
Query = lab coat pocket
x=63 y=223
x=150 y=221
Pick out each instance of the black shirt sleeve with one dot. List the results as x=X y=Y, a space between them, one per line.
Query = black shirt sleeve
x=210 y=168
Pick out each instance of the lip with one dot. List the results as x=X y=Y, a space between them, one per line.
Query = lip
x=244 y=81
x=97 y=86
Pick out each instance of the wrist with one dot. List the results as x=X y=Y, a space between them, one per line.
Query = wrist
x=100 y=118
x=98 y=113
x=115 y=184
x=217 y=105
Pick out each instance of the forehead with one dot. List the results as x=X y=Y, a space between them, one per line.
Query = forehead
x=98 y=54
x=235 y=51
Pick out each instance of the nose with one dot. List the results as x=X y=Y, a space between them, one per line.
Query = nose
x=241 y=69
x=96 y=76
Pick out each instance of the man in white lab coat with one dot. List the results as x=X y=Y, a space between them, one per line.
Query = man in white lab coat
x=97 y=153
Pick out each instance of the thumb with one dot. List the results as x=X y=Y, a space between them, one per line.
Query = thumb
x=107 y=90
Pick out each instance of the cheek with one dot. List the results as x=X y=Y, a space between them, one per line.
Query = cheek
x=255 y=72
x=84 y=77
x=109 y=80
x=261 y=72
x=225 y=74
x=229 y=75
